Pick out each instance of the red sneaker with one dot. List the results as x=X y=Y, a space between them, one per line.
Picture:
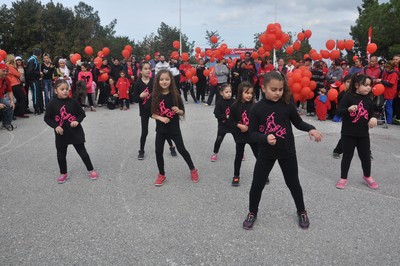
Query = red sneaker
x=370 y=182
x=93 y=175
x=195 y=175
x=160 y=180
x=62 y=178
x=214 y=157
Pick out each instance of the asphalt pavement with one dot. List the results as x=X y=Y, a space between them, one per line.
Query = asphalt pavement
x=123 y=219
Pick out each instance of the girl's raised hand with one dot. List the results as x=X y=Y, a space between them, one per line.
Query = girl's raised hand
x=165 y=120
x=271 y=139
x=353 y=108
x=59 y=130
x=74 y=123
x=315 y=134
x=175 y=109
x=373 y=122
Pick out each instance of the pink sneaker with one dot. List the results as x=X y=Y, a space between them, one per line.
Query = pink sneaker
x=93 y=175
x=62 y=178
x=370 y=182
x=341 y=183
x=214 y=157
x=160 y=180
x=195 y=175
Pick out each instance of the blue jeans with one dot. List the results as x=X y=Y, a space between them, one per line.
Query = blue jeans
x=7 y=112
x=48 y=90
x=389 y=111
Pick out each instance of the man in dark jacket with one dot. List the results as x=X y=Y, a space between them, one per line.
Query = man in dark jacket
x=32 y=78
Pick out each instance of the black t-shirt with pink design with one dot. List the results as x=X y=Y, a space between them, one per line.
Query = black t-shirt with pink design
x=355 y=123
x=145 y=103
x=165 y=110
x=240 y=115
x=268 y=117
x=222 y=112
x=61 y=112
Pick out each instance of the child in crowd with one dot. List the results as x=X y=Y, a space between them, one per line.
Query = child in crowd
x=86 y=75
x=356 y=108
x=270 y=125
x=142 y=95
x=166 y=108
x=123 y=86
x=239 y=120
x=222 y=111
x=322 y=105
x=339 y=149
x=65 y=115
x=112 y=100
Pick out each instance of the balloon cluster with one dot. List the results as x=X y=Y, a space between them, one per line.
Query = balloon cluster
x=301 y=85
x=272 y=38
x=301 y=36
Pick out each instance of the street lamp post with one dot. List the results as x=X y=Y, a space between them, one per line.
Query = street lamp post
x=180 y=26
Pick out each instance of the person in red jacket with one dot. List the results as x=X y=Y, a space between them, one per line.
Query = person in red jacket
x=389 y=80
x=322 y=105
x=123 y=86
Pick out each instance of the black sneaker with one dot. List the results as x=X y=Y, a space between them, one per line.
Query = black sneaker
x=235 y=181
x=173 y=151
x=304 y=223
x=336 y=155
x=249 y=221
x=141 y=155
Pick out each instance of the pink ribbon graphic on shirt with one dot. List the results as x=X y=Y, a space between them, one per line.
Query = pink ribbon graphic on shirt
x=360 y=112
x=245 y=118
x=272 y=127
x=227 y=112
x=64 y=116
x=147 y=97
x=164 y=111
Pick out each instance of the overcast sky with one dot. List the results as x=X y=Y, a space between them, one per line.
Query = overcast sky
x=235 y=20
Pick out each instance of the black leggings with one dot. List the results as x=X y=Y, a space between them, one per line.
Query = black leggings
x=290 y=173
x=180 y=146
x=218 y=141
x=145 y=131
x=62 y=157
x=363 y=149
x=90 y=99
x=124 y=101
x=19 y=94
x=240 y=153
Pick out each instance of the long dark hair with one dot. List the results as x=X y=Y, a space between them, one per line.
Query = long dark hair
x=357 y=80
x=157 y=91
x=243 y=87
x=141 y=67
x=274 y=75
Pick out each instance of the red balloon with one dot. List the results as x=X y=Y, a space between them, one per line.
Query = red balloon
x=202 y=54
x=176 y=44
x=195 y=79
x=289 y=50
x=3 y=54
x=242 y=56
x=206 y=72
x=266 y=54
x=330 y=44
x=148 y=57
x=332 y=94
x=296 y=97
x=271 y=38
x=371 y=48
x=335 y=54
x=305 y=92
x=105 y=51
x=213 y=81
x=98 y=62
x=306 y=73
x=296 y=88
x=198 y=50
x=75 y=58
x=305 y=56
x=254 y=55
x=129 y=48
x=285 y=37
x=355 y=58
x=349 y=44
x=313 y=85
x=297 y=77
x=342 y=87
x=185 y=57
x=228 y=51
x=103 y=77
x=305 y=81
x=88 y=50
x=315 y=56
x=125 y=53
x=324 y=53
x=278 y=44
x=301 y=36
x=378 y=89
x=261 y=50
x=175 y=55
x=189 y=74
x=214 y=39
x=100 y=54
x=263 y=38
x=341 y=44
x=308 y=34
x=296 y=45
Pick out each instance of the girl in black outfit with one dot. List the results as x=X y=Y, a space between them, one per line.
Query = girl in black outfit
x=270 y=125
x=142 y=95
x=65 y=115
x=222 y=112
x=239 y=121
x=166 y=108
x=357 y=110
